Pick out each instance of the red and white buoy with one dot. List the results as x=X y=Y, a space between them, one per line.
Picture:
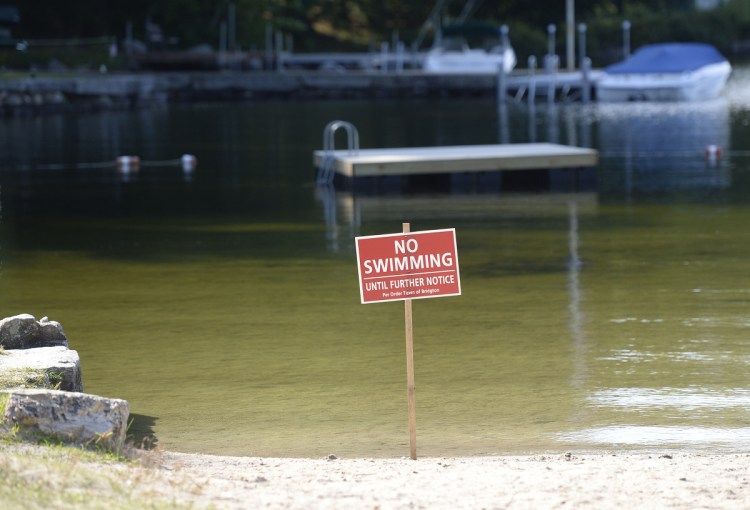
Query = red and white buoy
x=127 y=163
x=713 y=154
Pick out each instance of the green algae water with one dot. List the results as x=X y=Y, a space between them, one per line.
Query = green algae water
x=222 y=302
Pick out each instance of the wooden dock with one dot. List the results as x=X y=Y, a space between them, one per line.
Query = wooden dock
x=453 y=159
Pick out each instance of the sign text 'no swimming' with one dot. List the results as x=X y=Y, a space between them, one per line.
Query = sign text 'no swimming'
x=409 y=265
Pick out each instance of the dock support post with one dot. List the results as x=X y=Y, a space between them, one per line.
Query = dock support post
x=570 y=21
x=532 y=80
x=502 y=87
x=531 y=99
x=625 y=39
x=502 y=82
x=581 y=43
x=384 y=57
x=551 y=31
x=550 y=65
x=504 y=39
x=586 y=85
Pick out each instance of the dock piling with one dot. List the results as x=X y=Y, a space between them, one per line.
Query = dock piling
x=586 y=77
x=502 y=86
x=581 y=43
x=550 y=67
x=625 y=39
x=532 y=80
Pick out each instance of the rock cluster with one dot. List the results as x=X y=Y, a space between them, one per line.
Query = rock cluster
x=41 y=389
x=53 y=367
x=70 y=417
x=25 y=332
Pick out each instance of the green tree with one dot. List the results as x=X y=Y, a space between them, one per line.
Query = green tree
x=355 y=24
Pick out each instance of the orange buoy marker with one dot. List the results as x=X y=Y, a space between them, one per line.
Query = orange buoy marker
x=713 y=154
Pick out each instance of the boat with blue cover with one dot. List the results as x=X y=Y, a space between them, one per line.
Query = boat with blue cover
x=666 y=72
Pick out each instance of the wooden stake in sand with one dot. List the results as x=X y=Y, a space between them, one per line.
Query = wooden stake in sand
x=403 y=267
x=410 y=389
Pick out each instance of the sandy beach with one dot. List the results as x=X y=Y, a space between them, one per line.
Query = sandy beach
x=607 y=480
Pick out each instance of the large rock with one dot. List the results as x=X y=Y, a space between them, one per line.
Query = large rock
x=71 y=417
x=60 y=365
x=25 y=332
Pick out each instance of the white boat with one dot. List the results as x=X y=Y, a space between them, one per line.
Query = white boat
x=666 y=72
x=470 y=49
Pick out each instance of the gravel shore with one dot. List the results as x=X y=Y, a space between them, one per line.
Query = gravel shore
x=678 y=481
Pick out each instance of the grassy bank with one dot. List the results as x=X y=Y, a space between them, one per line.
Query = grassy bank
x=50 y=475
x=44 y=477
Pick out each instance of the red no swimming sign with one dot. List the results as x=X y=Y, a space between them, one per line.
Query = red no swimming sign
x=413 y=265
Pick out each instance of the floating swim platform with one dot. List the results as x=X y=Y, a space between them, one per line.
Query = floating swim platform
x=457 y=158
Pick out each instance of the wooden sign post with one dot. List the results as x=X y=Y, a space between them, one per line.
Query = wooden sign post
x=410 y=389
x=403 y=267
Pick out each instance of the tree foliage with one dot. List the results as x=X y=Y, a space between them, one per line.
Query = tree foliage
x=355 y=24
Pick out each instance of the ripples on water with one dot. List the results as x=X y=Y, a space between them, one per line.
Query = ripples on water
x=637 y=437
x=681 y=399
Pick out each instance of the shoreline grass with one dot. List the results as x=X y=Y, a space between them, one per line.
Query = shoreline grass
x=66 y=477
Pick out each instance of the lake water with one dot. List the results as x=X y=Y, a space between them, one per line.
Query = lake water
x=223 y=304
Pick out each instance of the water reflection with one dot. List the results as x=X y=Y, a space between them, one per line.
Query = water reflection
x=350 y=210
x=577 y=327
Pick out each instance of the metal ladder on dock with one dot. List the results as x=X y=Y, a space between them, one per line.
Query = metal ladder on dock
x=327 y=171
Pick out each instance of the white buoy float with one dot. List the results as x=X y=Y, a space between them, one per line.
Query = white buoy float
x=127 y=163
x=189 y=162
